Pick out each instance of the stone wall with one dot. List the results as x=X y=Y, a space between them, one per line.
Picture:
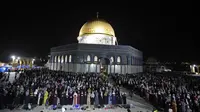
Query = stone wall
x=84 y=68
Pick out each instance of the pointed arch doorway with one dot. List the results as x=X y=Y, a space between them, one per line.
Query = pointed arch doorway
x=104 y=62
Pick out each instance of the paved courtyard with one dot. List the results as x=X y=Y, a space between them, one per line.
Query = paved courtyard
x=42 y=108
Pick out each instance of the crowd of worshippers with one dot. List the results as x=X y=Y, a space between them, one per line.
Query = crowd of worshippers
x=178 y=93
x=45 y=87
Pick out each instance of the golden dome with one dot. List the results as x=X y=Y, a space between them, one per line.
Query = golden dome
x=97 y=27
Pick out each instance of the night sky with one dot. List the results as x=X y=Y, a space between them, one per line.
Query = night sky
x=165 y=31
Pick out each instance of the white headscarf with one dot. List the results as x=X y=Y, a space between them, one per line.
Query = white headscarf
x=36 y=91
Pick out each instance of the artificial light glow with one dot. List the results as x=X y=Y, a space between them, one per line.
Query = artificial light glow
x=32 y=62
x=92 y=64
x=18 y=58
x=13 y=57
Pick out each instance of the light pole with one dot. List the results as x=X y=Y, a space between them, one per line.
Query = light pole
x=18 y=58
x=13 y=59
x=33 y=60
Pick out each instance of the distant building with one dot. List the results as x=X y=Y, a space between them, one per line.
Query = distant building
x=22 y=61
x=195 y=69
x=151 y=65
x=2 y=64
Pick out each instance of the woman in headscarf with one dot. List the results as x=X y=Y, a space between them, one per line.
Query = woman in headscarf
x=35 y=96
x=21 y=94
x=101 y=101
x=174 y=106
x=70 y=97
x=55 y=100
x=66 y=97
x=92 y=98
x=105 y=97
x=110 y=98
x=45 y=96
x=16 y=98
x=85 y=96
x=88 y=99
x=183 y=106
x=50 y=98
x=62 y=100
x=78 y=97
x=124 y=98
x=113 y=98
x=27 y=99
x=96 y=98
x=75 y=98
x=31 y=97
x=82 y=98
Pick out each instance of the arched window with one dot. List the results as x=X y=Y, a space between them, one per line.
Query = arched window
x=62 y=59
x=111 y=60
x=141 y=61
x=58 y=59
x=66 y=59
x=136 y=61
x=70 y=58
x=95 y=58
x=118 y=59
x=88 y=58
x=55 y=59
x=131 y=60
x=20 y=62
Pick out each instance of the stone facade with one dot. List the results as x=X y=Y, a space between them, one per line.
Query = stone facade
x=88 y=58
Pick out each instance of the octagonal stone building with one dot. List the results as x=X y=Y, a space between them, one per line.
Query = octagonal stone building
x=97 y=49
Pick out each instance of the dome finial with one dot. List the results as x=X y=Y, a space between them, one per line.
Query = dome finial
x=97 y=15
